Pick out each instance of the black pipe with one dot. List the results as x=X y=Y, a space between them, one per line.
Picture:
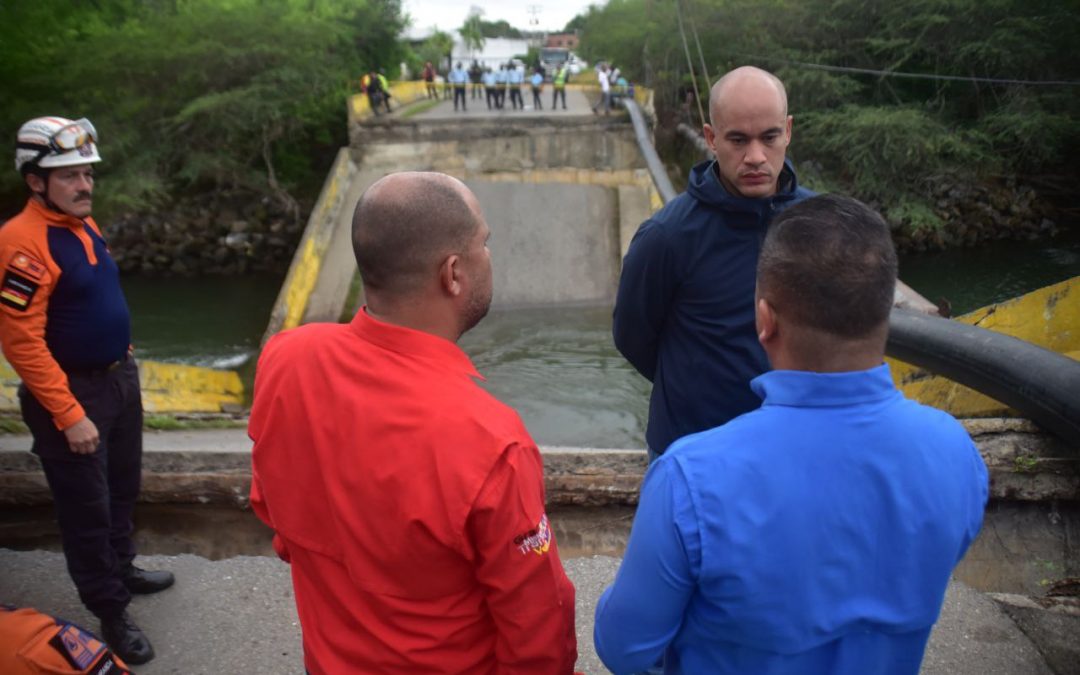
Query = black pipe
x=1041 y=384
x=652 y=160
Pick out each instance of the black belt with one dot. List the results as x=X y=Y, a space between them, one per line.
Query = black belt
x=99 y=370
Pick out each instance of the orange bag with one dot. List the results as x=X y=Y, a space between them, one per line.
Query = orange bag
x=32 y=643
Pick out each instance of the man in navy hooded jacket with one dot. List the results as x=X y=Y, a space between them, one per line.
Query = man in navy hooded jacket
x=684 y=314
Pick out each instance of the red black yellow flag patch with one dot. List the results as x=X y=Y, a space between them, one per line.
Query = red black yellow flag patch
x=17 y=291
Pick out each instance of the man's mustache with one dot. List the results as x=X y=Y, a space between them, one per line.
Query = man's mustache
x=82 y=197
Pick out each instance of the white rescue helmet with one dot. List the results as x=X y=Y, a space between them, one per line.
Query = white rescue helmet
x=50 y=142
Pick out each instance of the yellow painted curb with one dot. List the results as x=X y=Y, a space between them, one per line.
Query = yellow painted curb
x=1048 y=317
x=401 y=93
x=166 y=387
x=292 y=300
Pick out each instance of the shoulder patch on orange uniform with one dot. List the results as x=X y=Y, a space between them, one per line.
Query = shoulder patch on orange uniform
x=17 y=291
x=27 y=265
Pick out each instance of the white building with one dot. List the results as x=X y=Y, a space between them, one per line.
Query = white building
x=494 y=53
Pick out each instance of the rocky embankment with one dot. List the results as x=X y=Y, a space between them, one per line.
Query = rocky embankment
x=224 y=235
x=974 y=213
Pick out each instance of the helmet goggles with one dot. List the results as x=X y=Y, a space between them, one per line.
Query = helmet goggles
x=73 y=136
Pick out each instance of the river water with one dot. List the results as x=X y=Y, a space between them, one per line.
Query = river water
x=556 y=366
x=211 y=322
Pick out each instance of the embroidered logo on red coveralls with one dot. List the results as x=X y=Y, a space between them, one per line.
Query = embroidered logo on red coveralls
x=537 y=540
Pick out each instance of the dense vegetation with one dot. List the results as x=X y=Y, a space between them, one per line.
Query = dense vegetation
x=195 y=96
x=246 y=97
x=892 y=140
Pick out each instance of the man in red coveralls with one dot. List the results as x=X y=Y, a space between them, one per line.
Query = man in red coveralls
x=409 y=501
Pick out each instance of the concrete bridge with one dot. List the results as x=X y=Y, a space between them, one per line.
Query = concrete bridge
x=563 y=192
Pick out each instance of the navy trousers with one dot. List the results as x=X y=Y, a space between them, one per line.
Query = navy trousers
x=95 y=494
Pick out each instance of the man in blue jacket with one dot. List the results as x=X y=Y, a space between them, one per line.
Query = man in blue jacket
x=684 y=314
x=817 y=533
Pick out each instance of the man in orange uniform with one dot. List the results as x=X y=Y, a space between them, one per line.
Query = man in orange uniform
x=65 y=328
x=409 y=501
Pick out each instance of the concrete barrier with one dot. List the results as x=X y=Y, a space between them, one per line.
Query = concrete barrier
x=303 y=275
x=401 y=93
x=214 y=466
x=166 y=388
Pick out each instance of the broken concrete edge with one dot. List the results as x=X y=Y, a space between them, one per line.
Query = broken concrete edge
x=1051 y=623
x=1025 y=465
x=380 y=131
x=1065 y=606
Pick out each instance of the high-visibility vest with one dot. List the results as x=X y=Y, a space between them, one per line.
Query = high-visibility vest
x=560 y=77
x=383 y=83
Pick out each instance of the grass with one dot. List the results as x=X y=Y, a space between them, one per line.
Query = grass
x=1025 y=464
x=12 y=425
x=421 y=107
x=170 y=423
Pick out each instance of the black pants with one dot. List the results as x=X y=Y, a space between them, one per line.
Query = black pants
x=492 y=97
x=536 y=99
x=515 y=97
x=459 y=92
x=94 y=495
x=555 y=94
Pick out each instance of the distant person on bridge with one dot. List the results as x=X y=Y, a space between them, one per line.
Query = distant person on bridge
x=684 y=312
x=605 y=91
x=384 y=85
x=558 y=89
x=817 y=534
x=459 y=79
x=371 y=85
x=537 y=83
x=501 y=78
x=517 y=78
x=66 y=330
x=409 y=501
x=429 y=80
x=490 y=92
x=476 y=74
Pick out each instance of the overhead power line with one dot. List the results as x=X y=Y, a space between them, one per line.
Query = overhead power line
x=917 y=76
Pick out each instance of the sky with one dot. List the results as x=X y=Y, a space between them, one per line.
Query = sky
x=448 y=15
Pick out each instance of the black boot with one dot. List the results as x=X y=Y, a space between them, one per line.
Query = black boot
x=141 y=581
x=126 y=640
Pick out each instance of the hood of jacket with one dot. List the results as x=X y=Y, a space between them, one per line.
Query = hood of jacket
x=705 y=186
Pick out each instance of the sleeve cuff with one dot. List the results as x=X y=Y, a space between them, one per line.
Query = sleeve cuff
x=69 y=417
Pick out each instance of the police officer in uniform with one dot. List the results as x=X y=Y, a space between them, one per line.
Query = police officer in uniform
x=65 y=328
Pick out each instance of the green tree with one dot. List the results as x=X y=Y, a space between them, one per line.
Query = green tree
x=437 y=48
x=884 y=136
x=195 y=96
x=472 y=31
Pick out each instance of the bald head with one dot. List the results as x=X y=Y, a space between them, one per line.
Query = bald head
x=406 y=224
x=743 y=84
